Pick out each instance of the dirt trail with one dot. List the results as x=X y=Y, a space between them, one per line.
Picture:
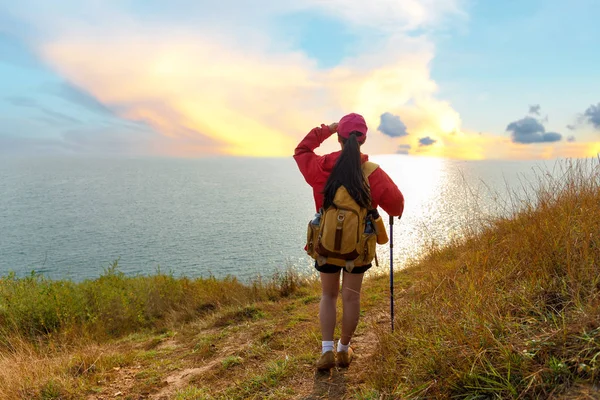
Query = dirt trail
x=244 y=353
x=181 y=379
x=341 y=383
x=119 y=386
x=173 y=366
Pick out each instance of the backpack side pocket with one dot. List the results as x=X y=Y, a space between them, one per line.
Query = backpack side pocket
x=312 y=236
x=366 y=248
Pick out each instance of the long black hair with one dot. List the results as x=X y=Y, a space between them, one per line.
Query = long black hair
x=347 y=172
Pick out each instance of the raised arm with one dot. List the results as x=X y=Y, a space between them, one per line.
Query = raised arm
x=304 y=154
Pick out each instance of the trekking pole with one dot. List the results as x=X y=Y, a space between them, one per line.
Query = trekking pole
x=392 y=270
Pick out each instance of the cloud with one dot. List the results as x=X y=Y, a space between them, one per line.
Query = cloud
x=571 y=139
x=386 y=16
x=529 y=130
x=392 y=125
x=592 y=115
x=426 y=141
x=104 y=140
x=224 y=77
x=204 y=77
x=14 y=52
x=251 y=102
x=101 y=141
x=403 y=149
x=72 y=142
x=534 y=109
x=571 y=127
x=526 y=126
x=77 y=96
x=552 y=137
x=238 y=89
x=391 y=15
x=54 y=116
x=21 y=101
x=17 y=145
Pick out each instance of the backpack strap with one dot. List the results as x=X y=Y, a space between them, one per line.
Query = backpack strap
x=368 y=168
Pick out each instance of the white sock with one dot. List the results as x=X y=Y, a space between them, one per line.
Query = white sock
x=342 y=347
x=327 y=346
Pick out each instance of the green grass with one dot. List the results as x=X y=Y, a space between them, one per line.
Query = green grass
x=114 y=304
x=52 y=390
x=192 y=393
x=240 y=314
x=263 y=384
x=231 y=361
x=311 y=299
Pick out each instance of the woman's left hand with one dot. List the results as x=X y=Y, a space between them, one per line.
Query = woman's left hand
x=333 y=127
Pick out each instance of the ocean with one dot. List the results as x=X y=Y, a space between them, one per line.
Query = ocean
x=71 y=217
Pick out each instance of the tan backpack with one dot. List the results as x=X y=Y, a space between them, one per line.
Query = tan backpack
x=339 y=237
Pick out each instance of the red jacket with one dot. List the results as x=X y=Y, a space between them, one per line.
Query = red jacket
x=316 y=170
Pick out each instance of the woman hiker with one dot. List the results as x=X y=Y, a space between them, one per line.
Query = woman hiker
x=325 y=174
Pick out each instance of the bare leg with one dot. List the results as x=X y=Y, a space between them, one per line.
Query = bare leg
x=330 y=287
x=351 y=301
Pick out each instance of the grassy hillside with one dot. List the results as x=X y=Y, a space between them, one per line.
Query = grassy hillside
x=57 y=336
x=35 y=308
x=510 y=310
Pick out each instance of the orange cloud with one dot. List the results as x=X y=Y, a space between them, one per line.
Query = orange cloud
x=184 y=86
x=248 y=102
x=208 y=95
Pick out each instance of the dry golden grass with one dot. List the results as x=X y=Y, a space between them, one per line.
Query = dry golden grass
x=39 y=371
x=509 y=311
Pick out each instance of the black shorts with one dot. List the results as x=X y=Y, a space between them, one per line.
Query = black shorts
x=332 y=269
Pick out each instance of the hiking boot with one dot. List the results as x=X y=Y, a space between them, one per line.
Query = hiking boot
x=326 y=362
x=344 y=358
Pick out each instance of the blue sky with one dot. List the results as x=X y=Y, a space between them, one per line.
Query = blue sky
x=187 y=78
x=514 y=53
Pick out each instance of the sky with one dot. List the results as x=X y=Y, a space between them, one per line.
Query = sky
x=459 y=79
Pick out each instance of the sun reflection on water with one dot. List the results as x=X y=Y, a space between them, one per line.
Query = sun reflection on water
x=442 y=198
x=421 y=181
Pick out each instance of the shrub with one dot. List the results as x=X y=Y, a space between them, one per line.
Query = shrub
x=116 y=304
